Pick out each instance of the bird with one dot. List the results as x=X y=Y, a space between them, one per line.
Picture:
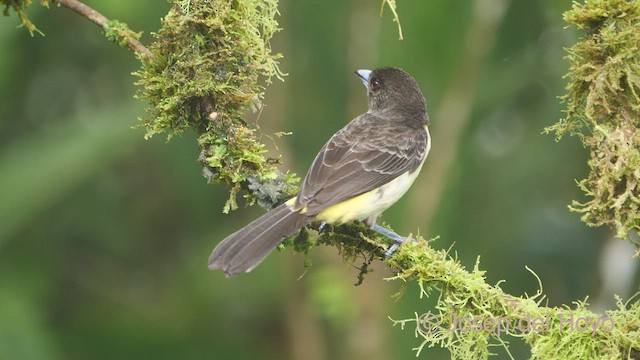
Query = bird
x=362 y=170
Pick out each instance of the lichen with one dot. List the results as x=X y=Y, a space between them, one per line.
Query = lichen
x=603 y=109
x=208 y=60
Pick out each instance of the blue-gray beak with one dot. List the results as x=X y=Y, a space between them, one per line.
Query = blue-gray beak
x=364 y=74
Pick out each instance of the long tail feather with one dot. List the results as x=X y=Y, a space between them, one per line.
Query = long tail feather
x=246 y=248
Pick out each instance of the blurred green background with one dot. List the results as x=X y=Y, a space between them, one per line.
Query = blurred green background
x=104 y=237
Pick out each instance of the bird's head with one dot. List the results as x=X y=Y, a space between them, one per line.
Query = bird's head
x=391 y=88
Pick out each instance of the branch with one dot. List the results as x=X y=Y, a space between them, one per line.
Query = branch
x=471 y=316
x=118 y=30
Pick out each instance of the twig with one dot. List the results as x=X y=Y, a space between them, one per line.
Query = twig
x=102 y=21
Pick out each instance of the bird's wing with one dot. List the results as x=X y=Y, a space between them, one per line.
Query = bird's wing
x=359 y=158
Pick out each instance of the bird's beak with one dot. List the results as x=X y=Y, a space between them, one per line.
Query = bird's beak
x=364 y=74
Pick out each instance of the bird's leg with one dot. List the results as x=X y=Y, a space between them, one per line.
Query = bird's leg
x=398 y=240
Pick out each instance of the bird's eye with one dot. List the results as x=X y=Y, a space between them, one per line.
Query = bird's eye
x=375 y=84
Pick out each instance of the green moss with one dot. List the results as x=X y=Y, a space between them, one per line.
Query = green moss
x=492 y=317
x=603 y=109
x=208 y=60
x=118 y=32
x=613 y=335
x=472 y=318
x=20 y=7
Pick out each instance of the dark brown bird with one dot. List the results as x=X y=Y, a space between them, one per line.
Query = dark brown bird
x=362 y=170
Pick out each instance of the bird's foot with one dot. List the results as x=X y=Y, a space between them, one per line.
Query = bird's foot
x=398 y=240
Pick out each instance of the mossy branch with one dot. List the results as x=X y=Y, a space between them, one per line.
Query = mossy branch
x=603 y=109
x=471 y=317
x=114 y=30
x=208 y=60
x=203 y=72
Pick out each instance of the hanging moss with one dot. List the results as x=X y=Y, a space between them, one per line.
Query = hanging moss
x=20 y=8
x=208 y=60
x=603 y=109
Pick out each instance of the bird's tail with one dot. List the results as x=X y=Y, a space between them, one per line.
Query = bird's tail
x=246 y=248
